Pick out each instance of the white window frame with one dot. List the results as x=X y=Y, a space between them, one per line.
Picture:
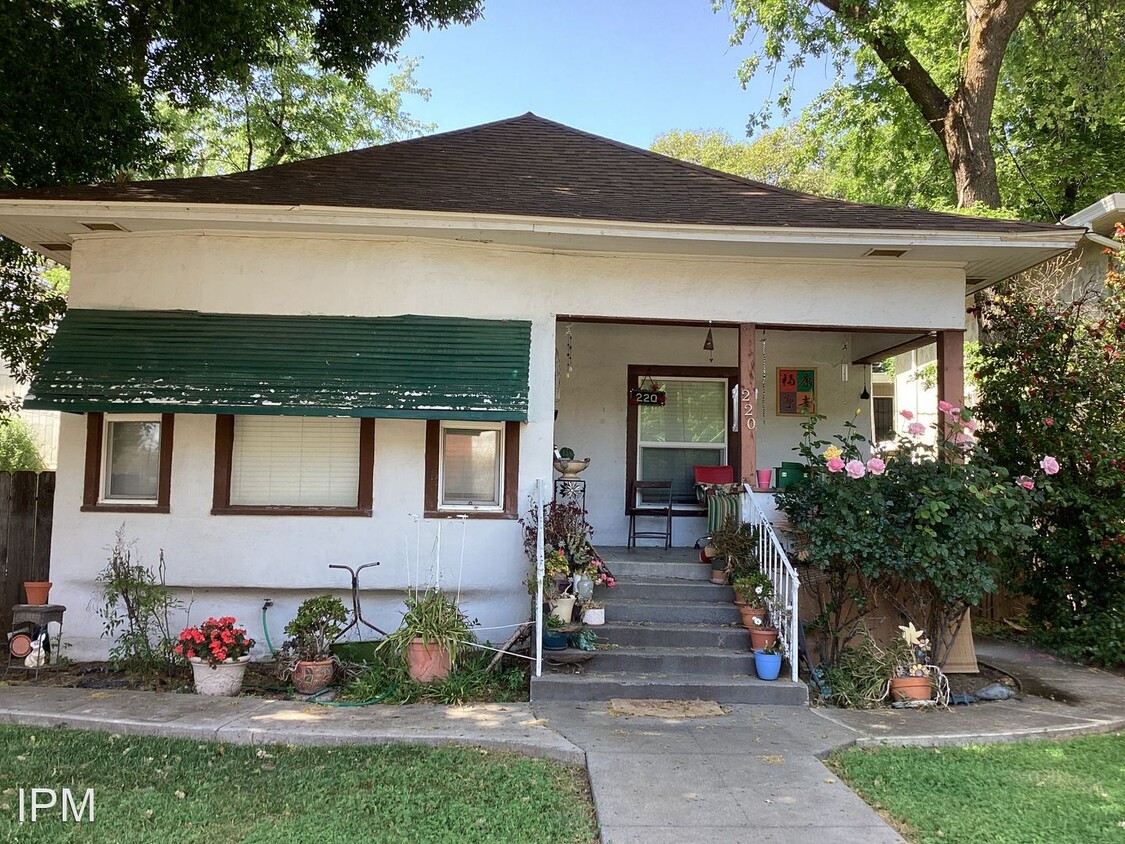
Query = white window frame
x=498 y=507
x=724 y=449
x=107 y=445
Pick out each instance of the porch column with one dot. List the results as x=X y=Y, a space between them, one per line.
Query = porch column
x=747 y=422
x=950 y=369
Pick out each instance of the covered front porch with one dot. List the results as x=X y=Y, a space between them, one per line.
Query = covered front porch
x=733 y=404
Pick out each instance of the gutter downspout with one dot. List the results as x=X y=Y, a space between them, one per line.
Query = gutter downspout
x=1101 y=240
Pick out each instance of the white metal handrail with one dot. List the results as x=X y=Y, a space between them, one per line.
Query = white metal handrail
x=540 y=570
x=775 y=563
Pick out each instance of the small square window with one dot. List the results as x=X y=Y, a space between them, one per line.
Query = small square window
x=472 y=468
x=472 y=461
x=128 y=462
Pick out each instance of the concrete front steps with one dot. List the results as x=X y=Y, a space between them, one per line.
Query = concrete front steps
x=672 y=635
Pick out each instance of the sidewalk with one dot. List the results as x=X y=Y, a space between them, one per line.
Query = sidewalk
x=1059 y=699
x=748 y=772
x=244 y=720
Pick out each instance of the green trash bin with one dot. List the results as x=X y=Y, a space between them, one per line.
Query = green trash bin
x=788 y=475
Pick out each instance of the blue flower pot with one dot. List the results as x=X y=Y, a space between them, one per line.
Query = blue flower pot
x=768 y=666
x=555 y=641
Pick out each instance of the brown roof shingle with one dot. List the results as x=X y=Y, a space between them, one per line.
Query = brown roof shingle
x=527 y=165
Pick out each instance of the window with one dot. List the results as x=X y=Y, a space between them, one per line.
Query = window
x=128 y=462
x=293 y=465
x=472 y=468
x=691 y=429
x=883 y=410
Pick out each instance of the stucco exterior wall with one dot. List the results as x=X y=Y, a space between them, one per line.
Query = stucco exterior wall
x=593 y=404
x=230 y=564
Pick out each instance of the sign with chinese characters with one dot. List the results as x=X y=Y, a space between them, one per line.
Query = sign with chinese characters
x=796 y=392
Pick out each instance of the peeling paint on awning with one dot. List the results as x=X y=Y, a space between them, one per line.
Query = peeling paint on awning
x=410 y=367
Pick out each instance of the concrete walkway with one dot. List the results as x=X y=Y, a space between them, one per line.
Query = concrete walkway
x=752 y=774
x=749 y=772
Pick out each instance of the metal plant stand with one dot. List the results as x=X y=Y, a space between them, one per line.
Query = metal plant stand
x=357 y=613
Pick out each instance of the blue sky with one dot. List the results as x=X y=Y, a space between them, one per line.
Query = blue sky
x=626 y=69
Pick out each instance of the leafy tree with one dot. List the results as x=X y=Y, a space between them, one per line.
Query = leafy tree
x=286 y=113
x=1052 y=381
x=91 y=90
x=945 y=98
x=785 y=157
x=18 y=451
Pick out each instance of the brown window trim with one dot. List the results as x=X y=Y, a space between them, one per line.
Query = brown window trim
x=511 y=475
x=92 y=486
x=224 y=455
x=656 y=371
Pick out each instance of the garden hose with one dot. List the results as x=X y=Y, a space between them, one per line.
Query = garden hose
x=266 y=630
x=349 y=703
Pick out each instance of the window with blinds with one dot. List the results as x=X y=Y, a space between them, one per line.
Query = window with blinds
x=689 y=430
x=295 y=461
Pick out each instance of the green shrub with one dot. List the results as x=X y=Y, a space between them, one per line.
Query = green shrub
x=1052 y=381
x=18 y=451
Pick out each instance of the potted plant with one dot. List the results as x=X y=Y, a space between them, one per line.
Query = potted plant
x=734 y=546
x=307 y=656
x=593 y=613
x=755 y=589
x=767 y=661
x=912 y=676
x=431 y=637
x=554 y=639
x=218 y=652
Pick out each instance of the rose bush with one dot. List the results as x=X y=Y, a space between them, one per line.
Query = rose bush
x=929 y=527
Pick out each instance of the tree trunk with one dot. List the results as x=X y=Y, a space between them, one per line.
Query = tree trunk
x=967 y=147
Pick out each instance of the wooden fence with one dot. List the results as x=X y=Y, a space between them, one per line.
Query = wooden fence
x=26 y=509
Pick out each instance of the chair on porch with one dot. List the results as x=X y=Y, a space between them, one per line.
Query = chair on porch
x=662 y=510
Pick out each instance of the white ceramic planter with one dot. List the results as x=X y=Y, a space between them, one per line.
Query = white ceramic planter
x=222 y=680
x=562 y=608
x=594 y=617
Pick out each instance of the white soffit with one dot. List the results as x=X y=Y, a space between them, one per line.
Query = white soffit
x=986 y=257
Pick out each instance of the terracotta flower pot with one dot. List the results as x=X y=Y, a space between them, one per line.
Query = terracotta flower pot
x=222 y=680
x=37 y=591
x=312 y=677
x=762 y=637
x=427 y=662
x=750 y=613
x=911 y=688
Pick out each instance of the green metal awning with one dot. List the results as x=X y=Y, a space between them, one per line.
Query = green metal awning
x=412 y=367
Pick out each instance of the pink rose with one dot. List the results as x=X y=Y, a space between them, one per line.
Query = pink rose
x=944 y=406
x=834 y=464
x=963 y=437
x=855 y=469
x=1049 y=465
x=876 y=466
x=915 y=429
x=1049 y=421
x=1026 y=482
x=907 y=415
x=955 y=411
x=970 y=424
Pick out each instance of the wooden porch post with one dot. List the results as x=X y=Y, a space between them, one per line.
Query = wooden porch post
x=747 y=421
x=950 y=369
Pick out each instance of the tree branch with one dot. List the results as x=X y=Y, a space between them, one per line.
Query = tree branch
x=902 y=64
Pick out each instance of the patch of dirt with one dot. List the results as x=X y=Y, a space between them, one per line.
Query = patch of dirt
x=666 y=708
x=970 y=683
x=260 y=680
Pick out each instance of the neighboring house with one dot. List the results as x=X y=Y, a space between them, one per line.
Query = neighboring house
x=335 y=360
x=44 y=424
x=1089 y=258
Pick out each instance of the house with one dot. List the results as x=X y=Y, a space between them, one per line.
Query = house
x=372 y=355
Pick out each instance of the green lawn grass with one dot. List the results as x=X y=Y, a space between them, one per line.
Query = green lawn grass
x=1039 y=791
x=172 y=791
